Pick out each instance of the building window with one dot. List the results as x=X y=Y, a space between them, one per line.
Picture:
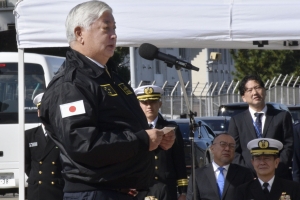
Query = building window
x=224 y=56
x=157 y=64
x=182 y=54
x=220 y=51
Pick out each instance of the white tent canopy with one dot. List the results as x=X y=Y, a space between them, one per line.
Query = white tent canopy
x=171 y=23
x=164 y=23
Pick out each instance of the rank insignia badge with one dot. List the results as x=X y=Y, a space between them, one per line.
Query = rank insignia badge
x=109 y=90
x=125 y=89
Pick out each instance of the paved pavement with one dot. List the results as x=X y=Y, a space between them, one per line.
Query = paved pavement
x=9 y=197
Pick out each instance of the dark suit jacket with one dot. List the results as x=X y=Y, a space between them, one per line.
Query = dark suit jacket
x=42 y=166
x=296 y=157
x=278 y=125
x=206 y=183
x=253 y=190
x=170 y=165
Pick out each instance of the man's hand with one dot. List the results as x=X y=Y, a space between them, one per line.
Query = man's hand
x=155 y=138
x=168 y=140
x=182 y=197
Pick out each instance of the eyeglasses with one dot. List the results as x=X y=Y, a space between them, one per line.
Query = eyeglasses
x=256 y=88
x=225 y=144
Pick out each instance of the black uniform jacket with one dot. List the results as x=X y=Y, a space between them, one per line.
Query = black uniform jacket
x=42 y=166
x=98 y=124
x=253 y=190
x=170 y=165
x=278 y=125
x=206 y=183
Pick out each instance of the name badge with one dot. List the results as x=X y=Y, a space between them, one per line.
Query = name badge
x=33 y=144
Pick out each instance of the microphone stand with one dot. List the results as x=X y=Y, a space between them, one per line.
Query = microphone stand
x=191 y=125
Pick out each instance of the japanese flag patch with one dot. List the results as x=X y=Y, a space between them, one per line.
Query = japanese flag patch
x=71 y=109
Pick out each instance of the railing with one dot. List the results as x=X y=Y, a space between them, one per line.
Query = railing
x=206 y=100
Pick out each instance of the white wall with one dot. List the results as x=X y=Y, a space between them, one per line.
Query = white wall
x=6 y=17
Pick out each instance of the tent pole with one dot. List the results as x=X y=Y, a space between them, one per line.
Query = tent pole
x=21 y=111
x=132 y=67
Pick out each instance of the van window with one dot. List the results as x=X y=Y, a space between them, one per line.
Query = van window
x=34 y=84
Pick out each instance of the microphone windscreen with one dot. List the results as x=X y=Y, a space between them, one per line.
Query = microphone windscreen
x=148 y=51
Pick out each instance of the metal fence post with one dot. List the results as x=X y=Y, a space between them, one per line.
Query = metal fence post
x=288 y=90
x=275 y=99
x=219 y=93
x=171 y=100
x=181 y=98
x=294 y=92
x=235 y=87
x=200 y=100
x=270 y=88
x=227 y=92
x=206 y=100
x=211 y=100
x=192 y=96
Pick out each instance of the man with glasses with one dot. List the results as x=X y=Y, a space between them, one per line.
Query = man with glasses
x=261 y=121
x=268 y=186
x=219 y=179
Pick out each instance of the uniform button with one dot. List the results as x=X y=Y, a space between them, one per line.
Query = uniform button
x=53 y=163
x=41 y=162
x=56 y=147
x=52 y=183
x=156 y=157
x=40 y=172
x=156 y=177
x=52 y=172
x=40 y=182
x=156 y=167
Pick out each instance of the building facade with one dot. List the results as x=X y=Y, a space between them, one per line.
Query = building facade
x=196 y=82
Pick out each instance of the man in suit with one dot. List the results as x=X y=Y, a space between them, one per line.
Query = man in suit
x=42 y=164
x=296 y=156
x=261 y=121
x=219 y=179
x=170 y=167
x=267 y=186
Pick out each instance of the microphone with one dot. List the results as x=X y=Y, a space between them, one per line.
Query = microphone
x=150 y=52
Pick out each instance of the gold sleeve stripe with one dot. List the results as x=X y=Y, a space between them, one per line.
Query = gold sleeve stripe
x=182 y=182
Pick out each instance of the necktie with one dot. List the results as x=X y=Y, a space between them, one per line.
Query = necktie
x=266 y=190
x=258 y=124
x=150 y=126
x=221 y=181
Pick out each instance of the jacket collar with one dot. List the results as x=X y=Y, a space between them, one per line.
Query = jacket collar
x=83 y=64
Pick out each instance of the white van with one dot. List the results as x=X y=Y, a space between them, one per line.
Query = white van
x=39 y=70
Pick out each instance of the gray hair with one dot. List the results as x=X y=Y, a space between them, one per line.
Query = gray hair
x=84 y=15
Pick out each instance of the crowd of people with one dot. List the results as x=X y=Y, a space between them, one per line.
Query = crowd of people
x=102 y=140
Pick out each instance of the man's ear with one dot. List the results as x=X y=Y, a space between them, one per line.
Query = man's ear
x=244 y=99
x=78 y=34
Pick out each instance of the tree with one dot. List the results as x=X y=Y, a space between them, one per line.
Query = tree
x=265 y=63
x=121 y=59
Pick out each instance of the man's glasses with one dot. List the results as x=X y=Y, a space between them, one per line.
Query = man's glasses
x=225 y=144
x=256 y=88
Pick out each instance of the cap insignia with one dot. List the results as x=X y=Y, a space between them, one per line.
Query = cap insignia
x=263 y=144
x=148 y=90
